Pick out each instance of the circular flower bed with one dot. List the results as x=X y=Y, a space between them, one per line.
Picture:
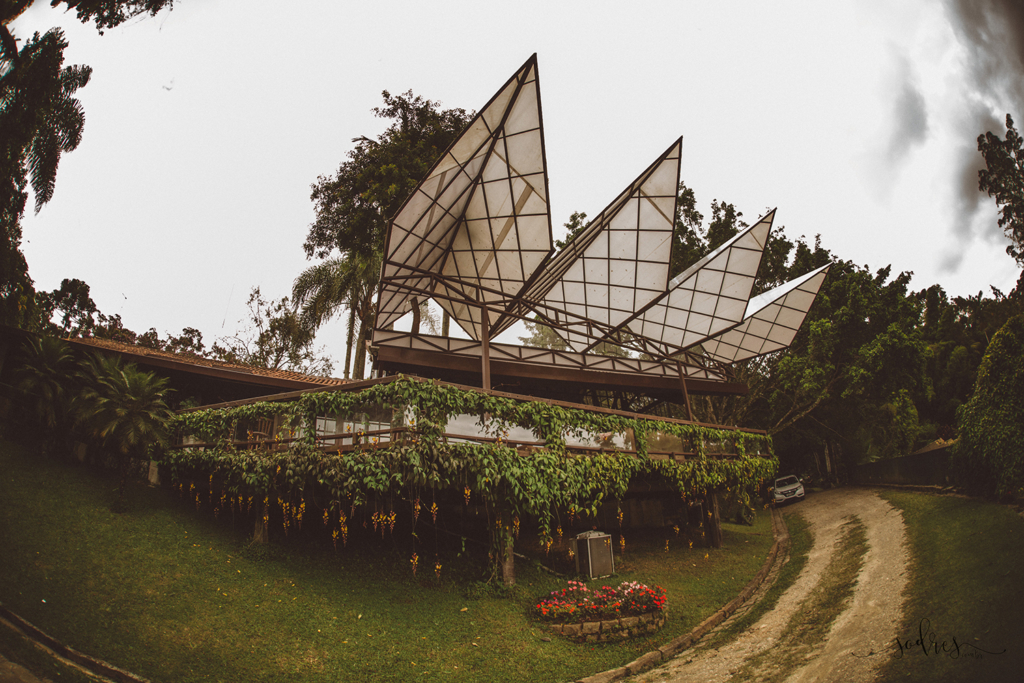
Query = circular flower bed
x=605 y=613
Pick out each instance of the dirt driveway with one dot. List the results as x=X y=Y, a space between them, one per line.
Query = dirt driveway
x=858 y=641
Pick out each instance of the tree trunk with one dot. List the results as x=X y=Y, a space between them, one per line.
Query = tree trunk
x=715 y=523
x=445 y=321
x=360 y=367
x=260 y=533
x=508 y=566
x=350 y=340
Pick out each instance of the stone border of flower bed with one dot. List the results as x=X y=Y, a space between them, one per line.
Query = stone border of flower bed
x=677 y=645
x=622 y=628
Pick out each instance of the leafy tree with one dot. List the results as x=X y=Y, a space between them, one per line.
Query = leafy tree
x=72 y=303
x=726 y=221
x=111 y=327
x=274 y=339
x=689 y=245
x=1004 y=180
x=354 y=205
x=988 y=458
x=542 y=336
x=577 y=221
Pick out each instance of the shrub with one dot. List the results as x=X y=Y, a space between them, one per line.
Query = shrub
x=577 y=603
x=988 y=459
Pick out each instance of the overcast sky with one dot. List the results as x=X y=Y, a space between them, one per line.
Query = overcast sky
x=206 y=125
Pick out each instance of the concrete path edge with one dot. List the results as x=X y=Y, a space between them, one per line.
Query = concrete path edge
x=684 y=642
x=91 y=664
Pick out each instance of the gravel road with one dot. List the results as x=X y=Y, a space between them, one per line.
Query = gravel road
x=860 y=637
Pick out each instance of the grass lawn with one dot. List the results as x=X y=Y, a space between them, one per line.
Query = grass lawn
x=965 y=592
x=175 y=595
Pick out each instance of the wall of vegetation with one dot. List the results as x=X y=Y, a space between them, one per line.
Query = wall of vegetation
x=988 y=458
x=420 y=464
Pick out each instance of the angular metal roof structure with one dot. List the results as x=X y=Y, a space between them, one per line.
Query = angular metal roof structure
x=618 y=264
x=477 y=227
x=475 y=235
x=771 y=320
x=708 y=297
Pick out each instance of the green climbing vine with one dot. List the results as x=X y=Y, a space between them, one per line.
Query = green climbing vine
x=295 y=462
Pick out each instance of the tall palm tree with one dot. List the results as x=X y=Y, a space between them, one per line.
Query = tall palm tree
x=124 y=407
x=39 y=117
x=39 y=120
x=348 y=282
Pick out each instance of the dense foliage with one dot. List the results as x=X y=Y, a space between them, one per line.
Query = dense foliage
x=875 y=371
x=989 y=456
x=426 y=463
x=117 y=408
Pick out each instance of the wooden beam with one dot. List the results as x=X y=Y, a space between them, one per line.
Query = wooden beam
x=464 y=369
x=686 y=393
x=415 y=315
x=485 y=347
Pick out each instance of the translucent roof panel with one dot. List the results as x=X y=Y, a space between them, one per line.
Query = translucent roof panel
x=618 y=263
x=771 y=321
x=707 y=298
x=480 y=218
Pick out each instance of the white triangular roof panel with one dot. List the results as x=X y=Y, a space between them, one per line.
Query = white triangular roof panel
x=772 y=323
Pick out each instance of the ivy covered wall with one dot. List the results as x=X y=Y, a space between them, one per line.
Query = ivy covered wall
x=416 y=459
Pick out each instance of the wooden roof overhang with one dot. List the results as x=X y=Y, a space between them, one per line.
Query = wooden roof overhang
x=256 y=378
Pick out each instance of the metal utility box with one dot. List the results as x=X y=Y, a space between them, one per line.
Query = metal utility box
x=594 y=556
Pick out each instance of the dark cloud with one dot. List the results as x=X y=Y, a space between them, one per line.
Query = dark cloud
x=967 y=161
x=992 y=33
x=911 y=118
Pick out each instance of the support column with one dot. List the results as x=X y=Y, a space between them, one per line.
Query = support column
x=686 y=393
x=415 y=315
x=485 y=348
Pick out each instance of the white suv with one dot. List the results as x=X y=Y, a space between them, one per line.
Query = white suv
x=787 y=488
